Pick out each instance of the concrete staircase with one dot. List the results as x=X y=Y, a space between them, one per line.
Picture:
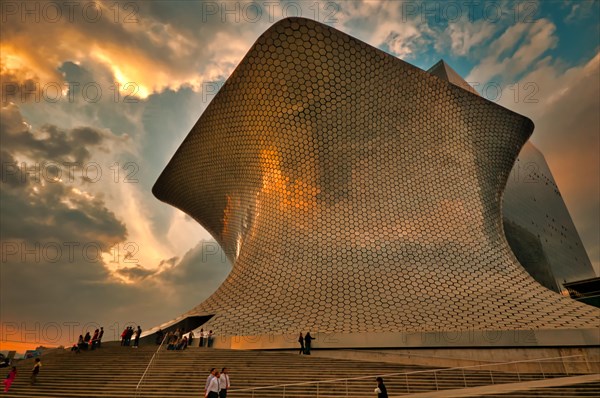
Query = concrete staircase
x=576 y=390
x=114 y=371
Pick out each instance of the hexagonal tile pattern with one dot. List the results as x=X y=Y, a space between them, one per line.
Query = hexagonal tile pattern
x=355 y=193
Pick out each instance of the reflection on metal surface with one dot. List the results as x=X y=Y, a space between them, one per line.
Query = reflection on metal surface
x=356 y=193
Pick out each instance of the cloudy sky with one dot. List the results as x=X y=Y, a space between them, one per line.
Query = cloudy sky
x=97 y=96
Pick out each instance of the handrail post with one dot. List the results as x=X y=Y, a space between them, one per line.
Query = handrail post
x=283 y=392
x=518 y=374
x=464 y=377
x=407 y=386
x=346 y=388
x=541 y=370
x=317 y=390
x=492 y=376
x=435 y=378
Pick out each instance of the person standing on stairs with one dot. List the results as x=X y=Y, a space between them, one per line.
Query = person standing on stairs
x=301 y=341
x=138 y=333
x=10 y=378
x=100 y=336
x=308 y=342
x=201 y=337
x=35 y=371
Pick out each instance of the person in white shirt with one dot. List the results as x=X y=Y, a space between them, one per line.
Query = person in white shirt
x=205 y=335
x=209 y=378
x=214 y=386
x=224 y=383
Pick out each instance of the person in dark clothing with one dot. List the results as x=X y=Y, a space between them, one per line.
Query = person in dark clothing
x=160 y=335
x=307 y=343
x=201 y=338
x=129 y=334
x=100 y=336
x=81 y=344
x=36 y=370
x=95 y=338
x=381 y=390
x=138 y=333
x=301 y=341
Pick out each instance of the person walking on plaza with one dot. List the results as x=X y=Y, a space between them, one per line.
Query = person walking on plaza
x=35 y=371
x=307 y=342
x=138 y=333
x=224 y=383
x=301 y=341
x=381 y=390
x=10 y=378
x=214 y=387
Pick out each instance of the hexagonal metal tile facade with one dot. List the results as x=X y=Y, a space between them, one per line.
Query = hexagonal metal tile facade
x=356 y=193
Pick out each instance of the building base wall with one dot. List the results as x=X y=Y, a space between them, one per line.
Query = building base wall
x=454 y=339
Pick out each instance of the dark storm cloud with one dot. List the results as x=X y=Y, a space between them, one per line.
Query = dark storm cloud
x=37 y=209
x=46 y=273
x=82 y=292
x=50 y=142
x=17 y=84
x=136 y=273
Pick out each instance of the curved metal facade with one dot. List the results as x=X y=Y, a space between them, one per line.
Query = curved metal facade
x=355 y=193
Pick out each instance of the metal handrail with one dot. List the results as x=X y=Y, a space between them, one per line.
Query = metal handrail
x=149 y=363
x=407 y=373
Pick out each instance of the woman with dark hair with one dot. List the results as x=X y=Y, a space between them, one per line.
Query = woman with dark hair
x=81 y=344
x=381 y=390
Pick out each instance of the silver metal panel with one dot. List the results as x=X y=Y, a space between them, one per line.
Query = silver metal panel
x=355 y=193
x=533 y=201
